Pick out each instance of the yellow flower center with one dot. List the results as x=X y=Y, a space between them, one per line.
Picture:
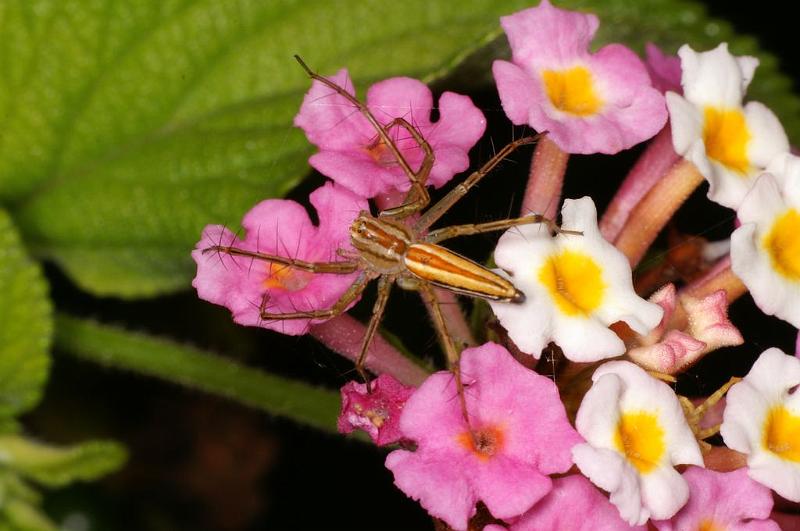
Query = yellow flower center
x=710 y=525
x=640 y=438
x=726 y=136
x=281 y=276
x=781 y=434
x=484 y=443
x=575 y=282
x=782 y=243
x=572 y=91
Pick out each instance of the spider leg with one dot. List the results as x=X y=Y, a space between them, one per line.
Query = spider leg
x=342 y=268
x=446 y=233
x=384 y=289
x=695 y=414
x=352 y=293
x=436 y=211
x=419 y=187
x=453 y=355
x=419 y=202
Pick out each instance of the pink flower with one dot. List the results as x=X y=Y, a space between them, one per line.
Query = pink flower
x=573 y=504
x=589 y=103
x=378 y=412
x=722 y=500
x=522 y=435
x=279 y=227
x=664 y=70
x=351 y=152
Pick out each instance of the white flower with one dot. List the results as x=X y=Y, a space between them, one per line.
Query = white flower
x=762 y=420
x=729 y=143
x=575 y=287
x=765 y=250
x=635 y=433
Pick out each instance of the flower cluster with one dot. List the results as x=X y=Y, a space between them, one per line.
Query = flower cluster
x=489 y=443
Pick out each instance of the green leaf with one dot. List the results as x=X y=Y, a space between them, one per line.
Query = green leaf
x=56 y=466
x=162 y=358
x=131 y=124
x=25 y=327
x=19 y=515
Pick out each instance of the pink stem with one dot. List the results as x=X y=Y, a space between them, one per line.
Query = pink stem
x=720 y=276
x=343 y=334
x=545 y=180
x=657 y=159
x=454 y=318
x=724 y=459
x=655 y=209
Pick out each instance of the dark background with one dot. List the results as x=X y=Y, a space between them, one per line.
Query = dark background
x=203 y=463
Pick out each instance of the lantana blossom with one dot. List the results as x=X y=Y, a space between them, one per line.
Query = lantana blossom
x=517 y=435
x=375 y=410
x=722 y=500
x=765 y=249
x=599 y=102
x=730 y=143
x=575 y=287
x=352 y=154
x=635 y=433
x=762 y=420
x=279 y=227
x=574 y=504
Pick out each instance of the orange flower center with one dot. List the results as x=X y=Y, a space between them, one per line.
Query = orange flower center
x=280 y=276
x=484 y=443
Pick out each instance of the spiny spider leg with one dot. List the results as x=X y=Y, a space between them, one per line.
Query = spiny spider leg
x=433 y=214
x=352 y=293
x=314 y=267
x=422 y=198
x=453 y=356
x=411 y=206
x=384 y=289
x=453 y=231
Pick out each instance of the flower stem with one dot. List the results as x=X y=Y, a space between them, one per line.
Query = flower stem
x=724 y=459
x=721 y=276
x=655 y=209
x=454 y=318
x=194 y=368
x=545 y=180
x=343 y=334
x=657 y=159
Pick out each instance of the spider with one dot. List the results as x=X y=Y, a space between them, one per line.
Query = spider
x=394 y=247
